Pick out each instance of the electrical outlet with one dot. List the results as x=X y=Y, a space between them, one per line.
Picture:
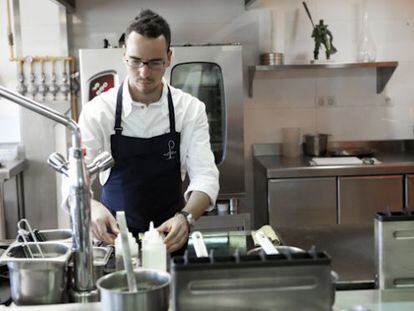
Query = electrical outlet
x=330 y=101
x=388 y=102
x=320 y=101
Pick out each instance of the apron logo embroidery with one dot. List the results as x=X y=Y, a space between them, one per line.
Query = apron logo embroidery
x=170 y=154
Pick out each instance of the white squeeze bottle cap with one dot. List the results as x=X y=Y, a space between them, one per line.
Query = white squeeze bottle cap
x=154 y=252
x=133 y=246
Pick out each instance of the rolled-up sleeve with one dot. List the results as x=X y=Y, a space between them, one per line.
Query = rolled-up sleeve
x=199 y=158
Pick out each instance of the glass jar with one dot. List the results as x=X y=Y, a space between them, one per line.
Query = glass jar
x=366 y=47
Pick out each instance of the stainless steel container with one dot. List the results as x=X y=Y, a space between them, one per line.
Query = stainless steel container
x=101 y=257
x=37 y=280
x=271 y=58
x=316 y=144
x=153 y=291
x=298 y=281
x=394 y=250
x=56 y=235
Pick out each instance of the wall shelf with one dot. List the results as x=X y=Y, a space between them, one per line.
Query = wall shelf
x=384 y=70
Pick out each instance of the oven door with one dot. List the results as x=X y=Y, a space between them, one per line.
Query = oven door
x=214 y=75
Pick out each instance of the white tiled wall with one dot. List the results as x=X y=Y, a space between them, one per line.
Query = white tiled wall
x=359 y=113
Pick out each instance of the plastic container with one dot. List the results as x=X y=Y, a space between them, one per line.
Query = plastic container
x=154 y=252
x=222 y=208
x=291 y=141
x=133 y=246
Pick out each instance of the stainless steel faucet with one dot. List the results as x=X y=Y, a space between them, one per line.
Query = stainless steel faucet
x=84 y=289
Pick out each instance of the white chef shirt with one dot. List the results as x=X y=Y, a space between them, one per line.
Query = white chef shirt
x=97 y=121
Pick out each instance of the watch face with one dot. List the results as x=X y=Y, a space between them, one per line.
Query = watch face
x=190 y=219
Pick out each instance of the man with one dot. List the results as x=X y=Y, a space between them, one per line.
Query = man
x=155 y=133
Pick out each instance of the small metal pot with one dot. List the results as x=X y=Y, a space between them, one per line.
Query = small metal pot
x=153 y=291
x=316 y=145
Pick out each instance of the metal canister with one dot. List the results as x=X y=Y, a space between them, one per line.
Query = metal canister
x=316 y=144
x=271 y=59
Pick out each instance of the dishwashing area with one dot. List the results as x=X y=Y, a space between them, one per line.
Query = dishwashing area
x=220 y=270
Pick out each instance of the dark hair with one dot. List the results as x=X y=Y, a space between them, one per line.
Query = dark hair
x=150 y=25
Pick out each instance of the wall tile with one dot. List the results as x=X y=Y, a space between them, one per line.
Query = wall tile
x=264 y=126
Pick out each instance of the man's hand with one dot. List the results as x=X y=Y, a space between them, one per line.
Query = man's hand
x=177 y=229
x=104 y=226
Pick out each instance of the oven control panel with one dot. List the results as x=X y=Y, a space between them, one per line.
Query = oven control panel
x=100 y=83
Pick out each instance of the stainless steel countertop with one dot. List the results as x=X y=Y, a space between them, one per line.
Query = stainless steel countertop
x=361 y=300
x=12 y=168
x=273 y=166
x=375 y=300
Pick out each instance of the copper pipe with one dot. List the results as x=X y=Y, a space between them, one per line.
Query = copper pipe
x=9 y=32
x=53 y=59
x=73 y=96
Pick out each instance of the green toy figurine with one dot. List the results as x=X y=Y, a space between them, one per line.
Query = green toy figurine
x=321 y=35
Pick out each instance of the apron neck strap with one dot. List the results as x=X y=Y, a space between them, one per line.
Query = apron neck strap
x=171 y=111
x=118 y=114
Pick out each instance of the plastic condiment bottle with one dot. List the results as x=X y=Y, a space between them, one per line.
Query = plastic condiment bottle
x=133 y=246
x=154 y=252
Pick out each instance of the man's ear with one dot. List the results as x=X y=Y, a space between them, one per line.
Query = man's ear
x=169 y=56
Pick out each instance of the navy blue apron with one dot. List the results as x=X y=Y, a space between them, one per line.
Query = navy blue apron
x=146 y=179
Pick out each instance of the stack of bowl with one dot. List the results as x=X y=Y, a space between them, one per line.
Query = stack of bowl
x=272 y=58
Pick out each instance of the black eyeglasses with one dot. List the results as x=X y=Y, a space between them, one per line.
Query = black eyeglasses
x=153 y=64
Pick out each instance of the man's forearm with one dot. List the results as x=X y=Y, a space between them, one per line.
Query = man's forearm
x=197 y=204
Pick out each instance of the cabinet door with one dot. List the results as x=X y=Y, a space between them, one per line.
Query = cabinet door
x=302 y=201
x=361 y=197
x=409 y=191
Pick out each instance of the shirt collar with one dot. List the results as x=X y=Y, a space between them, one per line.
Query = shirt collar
x=127 y=99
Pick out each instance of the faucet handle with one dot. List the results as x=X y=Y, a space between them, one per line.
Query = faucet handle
x=58 y=162
x=101 y=163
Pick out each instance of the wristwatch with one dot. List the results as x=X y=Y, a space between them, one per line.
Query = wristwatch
x=188 y=217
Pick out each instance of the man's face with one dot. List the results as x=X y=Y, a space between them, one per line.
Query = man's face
x=146 y=78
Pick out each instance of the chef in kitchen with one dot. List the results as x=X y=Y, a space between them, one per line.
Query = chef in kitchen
x=155 y=134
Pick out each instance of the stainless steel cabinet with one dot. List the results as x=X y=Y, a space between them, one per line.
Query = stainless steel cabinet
x=360 y=197
x=302 y=201
x=409 y=191
x=236 y=222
